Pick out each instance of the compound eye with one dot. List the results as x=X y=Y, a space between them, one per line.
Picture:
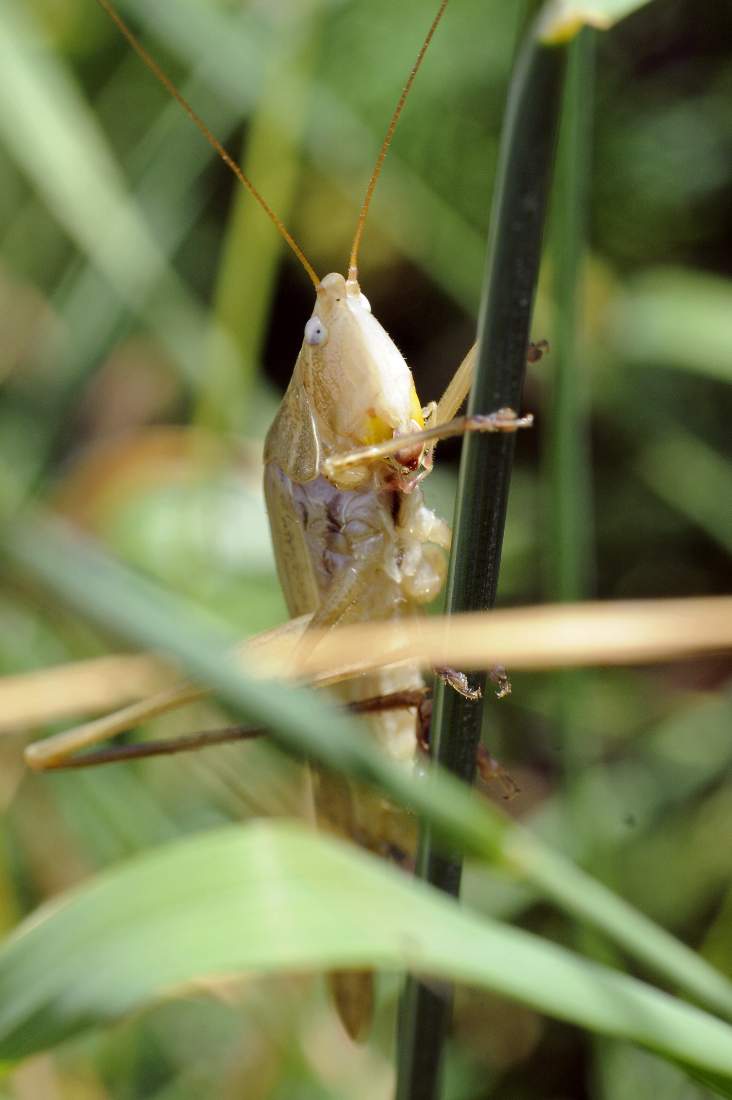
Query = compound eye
x=315 y=332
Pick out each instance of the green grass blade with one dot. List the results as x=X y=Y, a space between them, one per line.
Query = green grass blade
x=519 y=205
x=277 y=897
x=53 y=134
x=569 y=499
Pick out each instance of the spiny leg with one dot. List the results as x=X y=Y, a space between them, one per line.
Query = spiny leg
x=60 y=751
x=458 y=681
x=488 y=768
x=345 y=589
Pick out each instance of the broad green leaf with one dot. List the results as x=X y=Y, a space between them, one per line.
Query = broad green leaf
x=562 y=19
x=277 y=897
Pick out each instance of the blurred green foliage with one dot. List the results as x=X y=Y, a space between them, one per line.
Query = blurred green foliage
x=147 y=326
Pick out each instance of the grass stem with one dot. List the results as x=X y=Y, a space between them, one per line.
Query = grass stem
x=517 y=223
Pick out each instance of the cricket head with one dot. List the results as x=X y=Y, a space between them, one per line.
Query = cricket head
x=362 y=390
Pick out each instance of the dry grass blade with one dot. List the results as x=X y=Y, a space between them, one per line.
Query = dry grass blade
x=622 y=632
x=554 y=636
x=50 y=752
x=77 y=689
x=53 y=750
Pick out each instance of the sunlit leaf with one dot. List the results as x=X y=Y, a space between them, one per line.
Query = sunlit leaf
x=277 y=897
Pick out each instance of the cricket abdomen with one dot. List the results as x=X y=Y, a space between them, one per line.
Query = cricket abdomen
x=389 y=542
x=361 y=813
x=354 y=555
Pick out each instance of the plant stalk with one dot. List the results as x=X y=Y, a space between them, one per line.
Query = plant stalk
x=517 y=223
x=568 y=520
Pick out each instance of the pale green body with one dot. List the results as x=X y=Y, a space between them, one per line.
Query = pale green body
x=362 y=545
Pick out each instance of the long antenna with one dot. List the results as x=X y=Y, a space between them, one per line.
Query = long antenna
x=353 y=261
x=228 y=160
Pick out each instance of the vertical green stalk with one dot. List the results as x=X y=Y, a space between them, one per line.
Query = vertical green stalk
x=569 y=520
x=252 y=248
x=517 y=222
x=567 y=467
x=567 y=481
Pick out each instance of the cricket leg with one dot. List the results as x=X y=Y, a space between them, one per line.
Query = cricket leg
x=205 y=739
x=343 y=593
x=458 y=681
x=335 y=807
x=457 y=389
x=459 y=385
x=366 y=553
x=501 y=679
x=442 y=420
x=442 y=414
x=53 y=752
x=343 y=807
x=405 y=446
x=488 y=768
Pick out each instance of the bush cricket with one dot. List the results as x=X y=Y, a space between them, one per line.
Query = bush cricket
x=352 y=536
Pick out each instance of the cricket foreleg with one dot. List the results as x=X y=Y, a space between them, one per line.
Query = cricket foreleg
x=457 y=389
x=405 y=446
x=459 y=385
x=458 y=681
